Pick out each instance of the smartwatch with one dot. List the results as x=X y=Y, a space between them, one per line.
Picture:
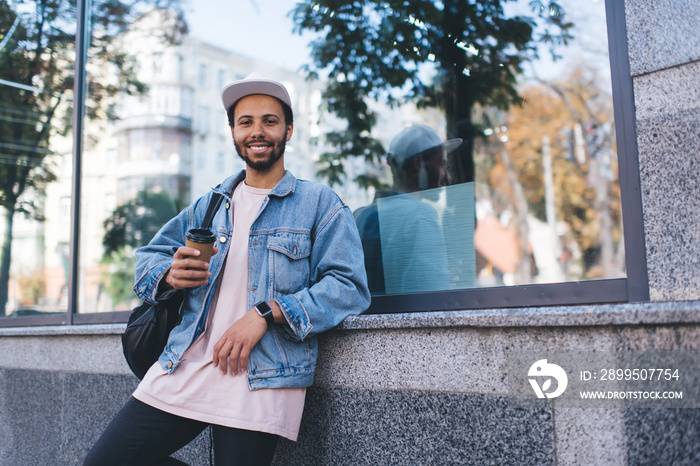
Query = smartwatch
x=265 y=311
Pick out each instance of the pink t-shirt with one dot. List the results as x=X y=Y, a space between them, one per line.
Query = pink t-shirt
x=198 y=390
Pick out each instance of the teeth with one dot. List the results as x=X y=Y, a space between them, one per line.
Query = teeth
x=258 y=148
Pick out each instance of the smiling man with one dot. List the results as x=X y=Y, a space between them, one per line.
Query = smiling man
x=288 y=265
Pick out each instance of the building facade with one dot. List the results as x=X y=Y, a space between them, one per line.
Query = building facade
x=396 y=386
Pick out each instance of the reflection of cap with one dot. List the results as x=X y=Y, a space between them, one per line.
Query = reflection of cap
x=254 y=83
x=415 y=140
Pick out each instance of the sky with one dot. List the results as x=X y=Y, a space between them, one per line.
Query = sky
x=263 y=29
x=254 y=28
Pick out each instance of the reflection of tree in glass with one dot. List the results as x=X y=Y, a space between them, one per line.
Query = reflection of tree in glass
x=37 y=49
x=449 y=55
x=573 y=117
x=134 y=223
x=129 y=227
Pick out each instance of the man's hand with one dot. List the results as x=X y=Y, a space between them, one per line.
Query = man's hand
x=234 y=347
x=187 y=271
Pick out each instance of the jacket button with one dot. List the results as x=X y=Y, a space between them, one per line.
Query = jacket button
x=170 y=365
x=222 y=239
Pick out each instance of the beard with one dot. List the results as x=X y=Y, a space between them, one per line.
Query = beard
x=277 y=151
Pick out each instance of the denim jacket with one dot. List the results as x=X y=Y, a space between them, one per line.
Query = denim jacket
x=304 y=252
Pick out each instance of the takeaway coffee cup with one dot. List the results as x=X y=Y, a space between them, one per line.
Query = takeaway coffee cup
x=202 y=239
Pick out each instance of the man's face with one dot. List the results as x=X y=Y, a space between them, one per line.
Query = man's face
x=259 y=131
x=435 y=170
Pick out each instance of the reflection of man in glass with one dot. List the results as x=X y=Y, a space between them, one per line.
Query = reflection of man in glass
x=401 y=233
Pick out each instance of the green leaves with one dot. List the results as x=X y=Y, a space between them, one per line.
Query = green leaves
x=448 y=55
x=136 y=222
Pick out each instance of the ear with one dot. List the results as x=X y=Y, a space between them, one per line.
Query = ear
x=290 y=131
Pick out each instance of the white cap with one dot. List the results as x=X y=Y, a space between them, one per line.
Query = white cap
x=415 y=140
x=254 y=83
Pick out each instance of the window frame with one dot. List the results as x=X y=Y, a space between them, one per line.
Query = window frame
x=633 y=288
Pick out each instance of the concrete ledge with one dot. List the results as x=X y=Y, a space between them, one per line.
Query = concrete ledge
x=577 y=316
x=671 y=313
x=61 y=330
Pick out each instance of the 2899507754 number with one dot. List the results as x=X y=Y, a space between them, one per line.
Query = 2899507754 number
x=639 y=374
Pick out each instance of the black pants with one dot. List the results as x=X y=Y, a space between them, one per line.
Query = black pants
x=141 y=434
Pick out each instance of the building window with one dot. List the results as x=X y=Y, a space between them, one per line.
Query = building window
x=202 y=76
x=220 y=79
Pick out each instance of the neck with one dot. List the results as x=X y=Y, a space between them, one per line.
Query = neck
x=264 y=179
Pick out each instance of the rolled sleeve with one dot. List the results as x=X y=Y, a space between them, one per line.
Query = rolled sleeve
x=146 y=287
x=338 y=282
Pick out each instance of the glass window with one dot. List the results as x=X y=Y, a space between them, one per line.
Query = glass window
x=37 y=48
x=474 y=141
x=139 y=109
x=492 y=160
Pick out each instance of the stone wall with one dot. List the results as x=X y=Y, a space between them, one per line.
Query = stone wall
x=664 y=50
x=403 y=389
x=429 y=388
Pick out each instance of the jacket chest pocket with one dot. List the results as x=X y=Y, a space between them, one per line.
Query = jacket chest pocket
x=289 y=261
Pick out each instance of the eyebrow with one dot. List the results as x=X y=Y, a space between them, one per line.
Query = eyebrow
x=267 y=115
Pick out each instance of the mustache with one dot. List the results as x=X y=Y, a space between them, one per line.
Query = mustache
x=258 y=142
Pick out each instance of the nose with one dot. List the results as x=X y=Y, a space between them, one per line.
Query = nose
x=257 y=130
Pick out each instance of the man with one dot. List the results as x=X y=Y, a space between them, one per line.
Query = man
x=401 y=234
x=287 y=266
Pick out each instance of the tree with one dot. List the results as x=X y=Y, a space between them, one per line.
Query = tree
x=573 y=118
x=450 y=55
x=136 y=222
x=36 y=61
x=131 y=226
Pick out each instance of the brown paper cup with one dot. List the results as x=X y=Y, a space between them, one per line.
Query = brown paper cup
x=203 y=240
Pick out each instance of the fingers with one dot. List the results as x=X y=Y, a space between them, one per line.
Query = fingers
x=230 y=354
x=243 y=359
x=225 y=351
x=185 y=253
x=234 y=347
x=186 y=270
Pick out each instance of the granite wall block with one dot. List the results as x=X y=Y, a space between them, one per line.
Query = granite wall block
x=662 y=33
x=31 y=417
x=54 y=417
x=668 y=135
x=663 y=436
x=413 y=427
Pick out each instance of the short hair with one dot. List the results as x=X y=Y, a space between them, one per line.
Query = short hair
x=286 y=109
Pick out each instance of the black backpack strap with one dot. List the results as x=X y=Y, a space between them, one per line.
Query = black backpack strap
x=214 y=204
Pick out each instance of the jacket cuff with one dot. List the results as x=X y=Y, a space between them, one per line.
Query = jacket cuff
x=147 y=287
x=296 y=316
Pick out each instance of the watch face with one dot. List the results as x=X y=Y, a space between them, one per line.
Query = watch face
x=265 y=311
x=263 y=308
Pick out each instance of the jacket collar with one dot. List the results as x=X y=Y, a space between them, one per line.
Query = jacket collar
x=283 y=188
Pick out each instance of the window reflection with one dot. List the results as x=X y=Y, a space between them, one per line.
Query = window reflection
x=530 y=196
x=538 y=133
x=415 y=237
x=36 y=78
